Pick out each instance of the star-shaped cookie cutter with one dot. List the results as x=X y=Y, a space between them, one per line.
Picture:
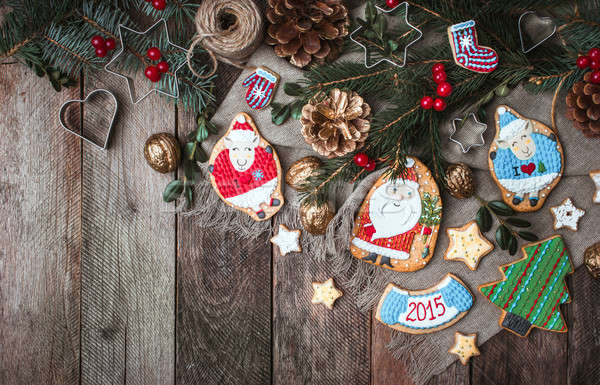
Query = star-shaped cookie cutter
x=405 y=4
x=453 y=130
x=521 y=32
x=130 y=85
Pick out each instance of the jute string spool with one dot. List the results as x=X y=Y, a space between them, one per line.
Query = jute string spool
x=229 y=30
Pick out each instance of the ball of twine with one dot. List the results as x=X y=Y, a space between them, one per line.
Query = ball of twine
x=229 y=30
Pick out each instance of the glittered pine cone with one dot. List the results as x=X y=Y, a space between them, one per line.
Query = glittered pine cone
x=459 y=181
x=307 y=30
x=337 y=124
x=583 y=106
x=591 y=259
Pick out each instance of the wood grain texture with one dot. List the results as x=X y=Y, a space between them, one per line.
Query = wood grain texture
x=385 y=369
x=39 y=234
x=455 y=374
x=128 y=255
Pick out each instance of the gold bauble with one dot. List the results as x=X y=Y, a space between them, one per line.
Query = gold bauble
x=301 y=170
x=591 y=259
x=316 y=216
x=459 y=181
x=162 y=152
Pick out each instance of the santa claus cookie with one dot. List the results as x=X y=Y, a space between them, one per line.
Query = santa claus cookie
x=245 y=170
x=397 y=225
x=526 y=160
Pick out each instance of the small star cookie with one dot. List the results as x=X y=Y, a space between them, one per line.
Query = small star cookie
x=325 y=293
x=467 y=244
x=566 y=215
x=287 y=240
x=465 y=347
x=595 y=175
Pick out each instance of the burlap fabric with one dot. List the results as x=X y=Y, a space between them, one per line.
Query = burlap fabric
x=426 y=355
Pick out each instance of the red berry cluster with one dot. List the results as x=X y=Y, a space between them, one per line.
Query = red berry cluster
x=154 y=72
x=592 y=60
x=444 y=89
x=392 y=3
x=362 y=160
x=159 y=5
x=102 y=45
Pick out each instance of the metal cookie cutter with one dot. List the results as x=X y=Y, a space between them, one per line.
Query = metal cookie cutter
x=63 y=123
x=477 y=123
x=521 y=32
x=405 y=4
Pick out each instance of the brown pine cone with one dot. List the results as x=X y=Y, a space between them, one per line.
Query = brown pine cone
x=307 y=30
x=337 y=124
x=583 y=107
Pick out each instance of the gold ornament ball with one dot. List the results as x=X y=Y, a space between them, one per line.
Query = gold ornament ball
x=459 y=181
x=162 y=152
x=316 y=216
x=591 y=259
x=301 y=170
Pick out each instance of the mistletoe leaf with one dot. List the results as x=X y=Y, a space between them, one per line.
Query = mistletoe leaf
x=484 y=219
x=512 y=245
x=173 y=191
x=292 y=89
x=526 y=235
x=502 y=236
x=279 y=113
x=518 y=222
x=501 y=208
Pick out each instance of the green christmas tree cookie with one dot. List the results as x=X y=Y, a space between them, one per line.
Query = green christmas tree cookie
x=533 y=288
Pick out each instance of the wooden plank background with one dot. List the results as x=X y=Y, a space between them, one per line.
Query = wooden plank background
x=164 y=312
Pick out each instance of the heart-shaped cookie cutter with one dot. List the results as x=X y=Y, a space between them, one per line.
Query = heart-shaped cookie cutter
x=63 y=108
x=521 y=32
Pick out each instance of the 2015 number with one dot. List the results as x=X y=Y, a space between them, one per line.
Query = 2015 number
x=421 y=310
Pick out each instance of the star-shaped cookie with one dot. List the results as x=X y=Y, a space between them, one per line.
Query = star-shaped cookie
x=325 y=293
x=566 y=215
x=595 y=175
x=467 y=244
x=465 y=347
x=287 y=240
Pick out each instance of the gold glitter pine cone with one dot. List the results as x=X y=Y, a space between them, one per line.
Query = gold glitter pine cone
x=459 y=181
x=337 y=124
x=591 y=259
x=307 y=30
x=162 y=152
x=583 y=107
x=301 y=170
x=316 y=216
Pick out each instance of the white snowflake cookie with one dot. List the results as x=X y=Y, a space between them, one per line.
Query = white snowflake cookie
x=566 y=215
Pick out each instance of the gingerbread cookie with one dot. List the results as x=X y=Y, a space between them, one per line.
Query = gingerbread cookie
x=526 y=160
x=262 y=84
x=533 y=288
x=326 y=293
x=566 y=215
x=287 y=240
x=465 y=347
x=425 y=311
x=595 y=175
x=245 y=170
x=397 y=224
x=467 y=244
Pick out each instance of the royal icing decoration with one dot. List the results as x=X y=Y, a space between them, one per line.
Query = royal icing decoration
x=533 y=288
x=466 y=50
x=425 y=311
x=465 y=347
x=287 y=240
x=595 y=175
x=245 y=170
x=261 y=85
x=566 y=215
x=467 y=244
x=526 y=160
x=397 y=224
x=325 y=293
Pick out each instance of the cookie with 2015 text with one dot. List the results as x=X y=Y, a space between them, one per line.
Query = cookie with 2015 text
x=398 y=222
x=526 y=159
x=245 y=170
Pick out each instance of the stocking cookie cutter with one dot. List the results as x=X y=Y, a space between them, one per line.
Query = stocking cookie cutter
x=453 y=130
x=521 y=32
x=405 y=47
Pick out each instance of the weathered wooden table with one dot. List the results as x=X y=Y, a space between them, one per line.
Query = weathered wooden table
x=179 y=317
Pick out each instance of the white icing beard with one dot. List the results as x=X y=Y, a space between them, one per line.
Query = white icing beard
x=391 y=217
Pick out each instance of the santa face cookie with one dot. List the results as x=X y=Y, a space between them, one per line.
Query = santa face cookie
x=245 y=170
x=397 y=225
x=526 y=160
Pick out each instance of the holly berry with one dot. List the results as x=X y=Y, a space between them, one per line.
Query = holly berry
x=582 y=62
x=595 y=64
x=426 y=102
x=101 y=51
x=97 y=41
x=370 y=165
x=444 y=89
x=439 y=77
x=361 y=159
x=159 y=5
x=438 y=67
x=152 y=73
x=153 y=53
x=110 y=43
x=439 y=104
x=595 y=77
x=594 y=53
x=163 y=66
x=392 y=3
